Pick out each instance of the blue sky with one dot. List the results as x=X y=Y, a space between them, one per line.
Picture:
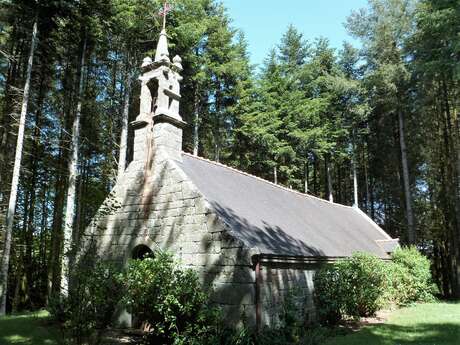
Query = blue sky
x=265 y=21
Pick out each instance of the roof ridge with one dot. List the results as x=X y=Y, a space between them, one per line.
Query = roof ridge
x=263 y=180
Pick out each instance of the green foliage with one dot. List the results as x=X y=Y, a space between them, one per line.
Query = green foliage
x=351 y=287
x=328 y=295
x=227 y=336
x=360 y=285
x=169 y=298
x=303 y=109
x=398 y=279
x=90 y=306
x=364 y=281
x=410 y=276
x=291 y=329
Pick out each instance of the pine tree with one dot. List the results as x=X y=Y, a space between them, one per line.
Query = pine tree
x=5 y=258
x=384 y=27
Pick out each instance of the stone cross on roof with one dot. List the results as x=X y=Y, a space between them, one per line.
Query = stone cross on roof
x=164 y=12
x=162 y=52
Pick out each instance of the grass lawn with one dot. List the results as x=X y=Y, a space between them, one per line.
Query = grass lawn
x=424 y=324
x=28 y=329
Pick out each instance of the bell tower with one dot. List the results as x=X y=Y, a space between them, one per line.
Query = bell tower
x=158 y=127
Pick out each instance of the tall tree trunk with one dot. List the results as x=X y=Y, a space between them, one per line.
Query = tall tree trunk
x=72 y=184
x=315 y=175
x=457 y=211
x=124 y=127
x=196 y=124
x=18 y=297
x=5 y=123
x=329 y=180
x=338 y=178
x=77 y=228
x=29 y=262
x=355 y=186
x=366 y=181
x=456 y=162
x=43 y=245
x=355 y=177
x=306 y=176
x=411 y=235
x=217 y=152
x=54 y=264
x=29 y=238
x=4 y=265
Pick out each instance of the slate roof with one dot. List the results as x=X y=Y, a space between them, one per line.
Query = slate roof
x=282 y=222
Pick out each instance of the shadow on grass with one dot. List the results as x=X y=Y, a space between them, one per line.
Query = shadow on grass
x=391 y=334
x=28 y=329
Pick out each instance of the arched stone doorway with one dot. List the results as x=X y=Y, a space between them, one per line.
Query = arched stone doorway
x=141 y=252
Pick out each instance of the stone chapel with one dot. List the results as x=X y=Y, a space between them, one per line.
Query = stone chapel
x=251 y=241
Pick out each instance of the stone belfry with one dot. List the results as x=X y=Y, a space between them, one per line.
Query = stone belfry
x=158 y=127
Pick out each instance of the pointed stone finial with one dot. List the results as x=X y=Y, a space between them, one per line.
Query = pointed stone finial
x=177 y=61
x=146 y=62
x=162 y=53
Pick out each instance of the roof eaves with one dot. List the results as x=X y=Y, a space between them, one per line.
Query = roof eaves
x=287 y=259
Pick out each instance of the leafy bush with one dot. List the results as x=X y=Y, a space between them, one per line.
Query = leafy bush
x=290 y=330
x=328 y=294
x=59 y=308
x=351 y=287
x=397 y=278
x=364 y=284
x=228 y=336
x=360 y=285
x=410 y=278
x=91 y=302
x=170 y=299
x=314 y=335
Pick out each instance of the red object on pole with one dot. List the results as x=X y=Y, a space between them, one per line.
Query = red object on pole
x=164 y=12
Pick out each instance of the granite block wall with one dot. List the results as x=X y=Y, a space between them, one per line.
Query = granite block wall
x=160 y=208
x=286 y=285
x=156 y=205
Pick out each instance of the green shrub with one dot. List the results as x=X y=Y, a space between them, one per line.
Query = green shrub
x=397 y=279
x=410 y=278
x=59 y=308
x=90 y=305
x=328 y=283
x=360 y=285
x=228 y=336
x=314 y=335
x=170 y=299
x=364 y=284
x=351 y=287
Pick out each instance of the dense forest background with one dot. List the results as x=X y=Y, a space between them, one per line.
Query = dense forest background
x=312 y=118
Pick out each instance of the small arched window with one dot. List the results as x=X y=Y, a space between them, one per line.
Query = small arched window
x=153 y=88
x=141 y=252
